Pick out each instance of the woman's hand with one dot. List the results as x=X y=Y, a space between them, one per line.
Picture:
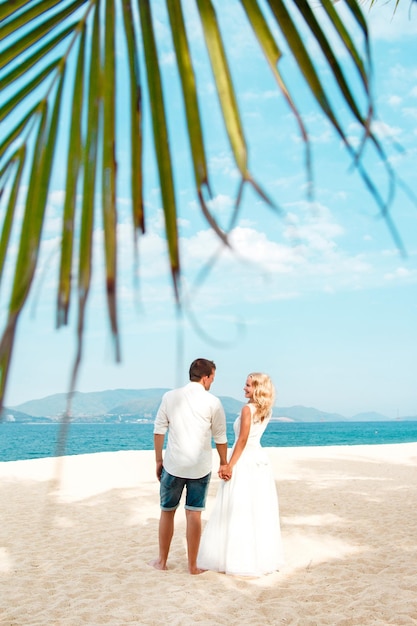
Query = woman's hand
x=225 y=472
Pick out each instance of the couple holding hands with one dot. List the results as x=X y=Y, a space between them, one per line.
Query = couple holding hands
x=242 y=536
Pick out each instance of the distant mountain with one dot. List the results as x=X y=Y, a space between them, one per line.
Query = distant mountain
x=232 y=407
x=132 y=405
x=90 y=404
x=307 y=414
x=370 y=416
x=11 y=415
x=142 y=407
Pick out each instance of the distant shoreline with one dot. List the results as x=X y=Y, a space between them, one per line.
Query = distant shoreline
x=9 y=419
x=128 y=404
x=30 y=441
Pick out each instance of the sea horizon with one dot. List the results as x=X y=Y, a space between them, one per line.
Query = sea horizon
x=31 y=441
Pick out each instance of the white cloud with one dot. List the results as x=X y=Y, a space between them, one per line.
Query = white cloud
x=288 y=182
x=161 y=24
x=206 y=88
x=257 y=268
x=224 y=164
x=403 y=73
x=268 y=255
x=221 y=203
x=394 y=100
x=383 y=130
x=391 y=22
x=391 y=252
x=399 y=274
x=318 y=128
x=410 y=112
x=57 y=197
x=168 y=59
x=314 y=226
x=256 y=96
x=325 y=137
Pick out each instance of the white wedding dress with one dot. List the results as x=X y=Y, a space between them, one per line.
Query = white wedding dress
x=243 y=536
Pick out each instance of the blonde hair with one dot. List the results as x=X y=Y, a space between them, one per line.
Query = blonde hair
x=263 y=394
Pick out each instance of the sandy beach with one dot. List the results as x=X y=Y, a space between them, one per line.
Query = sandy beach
x=77 y=533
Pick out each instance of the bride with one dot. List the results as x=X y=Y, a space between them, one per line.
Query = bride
x=242 y=536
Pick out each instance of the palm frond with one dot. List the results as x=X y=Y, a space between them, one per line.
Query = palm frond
x=72 y=180
x=135 y=96
x=160 y=134
x=64 y=51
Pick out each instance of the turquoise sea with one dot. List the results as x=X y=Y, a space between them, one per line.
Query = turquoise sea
x=31 y=441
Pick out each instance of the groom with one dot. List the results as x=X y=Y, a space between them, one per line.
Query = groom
x=192 y=417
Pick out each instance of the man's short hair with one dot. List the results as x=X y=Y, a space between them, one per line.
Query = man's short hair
x=200 y=368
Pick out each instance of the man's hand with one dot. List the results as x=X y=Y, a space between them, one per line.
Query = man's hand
x=159 y=468
x=225 y=472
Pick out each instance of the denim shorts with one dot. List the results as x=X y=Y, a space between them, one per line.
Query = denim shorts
x=171 y=489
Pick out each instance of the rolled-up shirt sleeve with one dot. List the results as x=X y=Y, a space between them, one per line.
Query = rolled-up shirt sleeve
x=161 y=420
x=218 y=424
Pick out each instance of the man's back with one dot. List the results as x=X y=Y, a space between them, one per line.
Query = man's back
x=192 y=416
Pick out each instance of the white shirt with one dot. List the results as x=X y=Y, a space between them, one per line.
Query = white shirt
x=192 y=416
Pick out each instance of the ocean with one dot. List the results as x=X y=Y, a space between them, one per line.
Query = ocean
x=31 y=441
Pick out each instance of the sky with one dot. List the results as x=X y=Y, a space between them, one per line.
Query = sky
x=317 y=295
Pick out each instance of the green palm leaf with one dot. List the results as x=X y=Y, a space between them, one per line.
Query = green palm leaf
x=9 y=8
x=28 y=40
x=19 y=159
x=16 y=99
x=60 y=51
x=108 y=175
x=17 y=131
x=160 y=134
x=90 y=151
x=273 y=54
x=135 y=117
x=72 y=178
x=24 y=67
x=31 y=232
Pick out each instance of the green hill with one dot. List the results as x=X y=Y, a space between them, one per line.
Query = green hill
x=120 y=405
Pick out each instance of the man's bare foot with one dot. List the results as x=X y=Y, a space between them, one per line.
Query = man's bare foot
x=196 y=570
x=158 y=564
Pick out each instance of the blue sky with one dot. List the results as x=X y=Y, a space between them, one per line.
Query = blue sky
x=319 y=297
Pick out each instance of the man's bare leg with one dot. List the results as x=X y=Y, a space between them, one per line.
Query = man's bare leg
x=166 y=530
x=193 y=539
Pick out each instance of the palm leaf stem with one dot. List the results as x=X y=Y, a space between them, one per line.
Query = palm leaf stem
x=72 y=176
x=160 y=136
x=136 y=141
x=189 y=91
x=109 y=168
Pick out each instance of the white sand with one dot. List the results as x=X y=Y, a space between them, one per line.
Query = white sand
x=76 y=553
